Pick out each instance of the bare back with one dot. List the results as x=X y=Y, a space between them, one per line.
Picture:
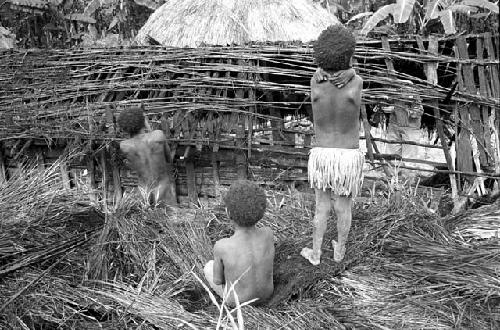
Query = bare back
x=146 y=154
x=252 y=253
x=336 y=113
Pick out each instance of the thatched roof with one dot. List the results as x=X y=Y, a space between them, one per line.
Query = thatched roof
x=191 y=23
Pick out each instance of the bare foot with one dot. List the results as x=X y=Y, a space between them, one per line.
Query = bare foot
x=309 y=255
x=338 y=251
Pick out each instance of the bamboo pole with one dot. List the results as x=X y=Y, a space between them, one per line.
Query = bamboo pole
x=494 y=118
x=3 y=167
x=191 y=182
x=92 y=180
x=117 y=184
x=433 y=79
x=470 y=87
x=40 y=159
x=215 y=172
x=66 y=182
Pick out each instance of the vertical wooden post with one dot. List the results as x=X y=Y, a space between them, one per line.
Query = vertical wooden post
x=494 y=119
x=215 y=172
x=470 y=87
x=66 y=182
x=3 y=167
x=117 y=184
x=307 y=140
x=249 y=123
x=191 y=182
x=388 y=61
x=484 y=91
x=432 y=78
x=390 y=71
x=370 y=144
x=241 y=159
x=104 y=182
x=368 y=136
x=92 y=182
x=431 y=74
x=275 y=124
x=40 y=159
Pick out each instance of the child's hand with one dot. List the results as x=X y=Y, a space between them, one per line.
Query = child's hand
x=339 y=79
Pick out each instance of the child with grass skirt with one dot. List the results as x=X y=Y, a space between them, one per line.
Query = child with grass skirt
x=148 y=156
x=244 y=260
x=335 y=166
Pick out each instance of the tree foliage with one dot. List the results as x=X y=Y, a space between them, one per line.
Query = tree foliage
x=442 y=10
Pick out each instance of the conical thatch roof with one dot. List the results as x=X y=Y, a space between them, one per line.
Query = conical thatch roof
x=191 y=23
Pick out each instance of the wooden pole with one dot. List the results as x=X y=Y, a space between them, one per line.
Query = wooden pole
x=432 y=78
x=117 y=184
x=494 y=119
x=66 y=182
x=215 y=172
x=241 y=159
x=191 y=182
x=3 y=167
x=91 y=173
x=40 y=159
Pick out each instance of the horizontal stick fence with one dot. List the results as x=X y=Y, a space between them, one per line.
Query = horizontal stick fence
x=240 y=99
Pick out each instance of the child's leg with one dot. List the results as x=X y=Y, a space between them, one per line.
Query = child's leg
x=209 y=276
x=323 y=205
x=343 y=210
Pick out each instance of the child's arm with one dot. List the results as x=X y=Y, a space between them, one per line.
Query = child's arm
x=218 y=266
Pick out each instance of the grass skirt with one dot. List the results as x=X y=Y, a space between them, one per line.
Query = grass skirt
x=340 y=170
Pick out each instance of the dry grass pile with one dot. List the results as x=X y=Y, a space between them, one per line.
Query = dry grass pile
x=195 y=23
x=404 y=268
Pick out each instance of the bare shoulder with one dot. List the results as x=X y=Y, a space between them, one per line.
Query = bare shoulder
x=126 y=145
x=221 y=246
x=357 y=78
x=267 y=231
x=157 y=135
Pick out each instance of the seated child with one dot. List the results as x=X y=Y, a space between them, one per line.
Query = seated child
x=249 y=253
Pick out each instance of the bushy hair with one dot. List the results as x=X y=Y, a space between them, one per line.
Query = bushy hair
x=131 y=120
x=334 y=48
x=245 y=202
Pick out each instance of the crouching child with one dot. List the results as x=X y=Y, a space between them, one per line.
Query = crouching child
x=247 y=257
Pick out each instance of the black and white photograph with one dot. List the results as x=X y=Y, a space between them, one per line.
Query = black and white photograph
x=249 y=164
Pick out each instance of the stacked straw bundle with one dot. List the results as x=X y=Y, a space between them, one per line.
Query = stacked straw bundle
x=138 y=266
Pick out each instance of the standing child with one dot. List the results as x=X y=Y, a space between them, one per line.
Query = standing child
x=248 y=255
x=335 y=167
x=148 y=155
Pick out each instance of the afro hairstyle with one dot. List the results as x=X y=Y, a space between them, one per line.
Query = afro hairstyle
x=245 y=203
x=334 y=48
x=131 y=120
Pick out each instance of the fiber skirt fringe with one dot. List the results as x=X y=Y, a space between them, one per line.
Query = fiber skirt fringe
x=340 y=170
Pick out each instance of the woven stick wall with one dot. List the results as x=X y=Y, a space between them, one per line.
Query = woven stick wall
x=217 y=98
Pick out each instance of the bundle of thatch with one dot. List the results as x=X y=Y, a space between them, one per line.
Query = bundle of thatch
x=194 y=23
x=403 y=269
